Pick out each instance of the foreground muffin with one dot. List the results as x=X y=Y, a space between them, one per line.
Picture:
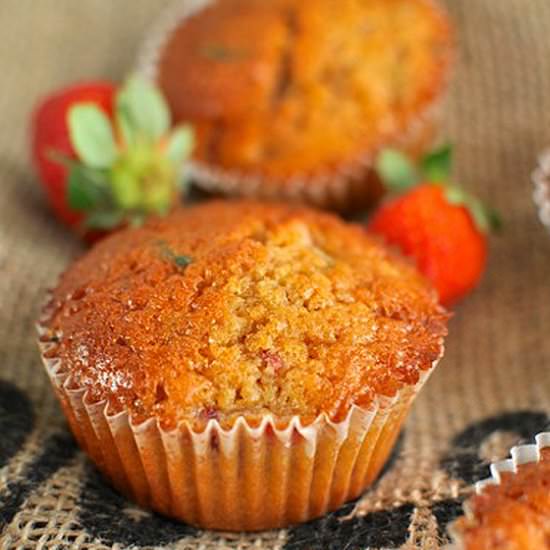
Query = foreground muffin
x=294 y=99
x=240 y=365
x=511 y=512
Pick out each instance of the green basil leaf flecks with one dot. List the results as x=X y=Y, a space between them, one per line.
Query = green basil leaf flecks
x=436 y=166
x=180 y=144
x=396 y=171
x=181 y=261
x=91 y=135
x=84 y=187
x=142 y=112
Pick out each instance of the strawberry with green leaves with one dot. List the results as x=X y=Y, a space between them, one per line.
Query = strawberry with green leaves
x=434 y=221
x=109 y=158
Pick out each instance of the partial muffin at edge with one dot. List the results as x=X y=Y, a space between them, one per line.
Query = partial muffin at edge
x=514 y=515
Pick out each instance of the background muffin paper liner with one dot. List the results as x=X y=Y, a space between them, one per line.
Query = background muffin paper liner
x=271 y=475
x=348 y=186
x=520 y=455
x=541 y=191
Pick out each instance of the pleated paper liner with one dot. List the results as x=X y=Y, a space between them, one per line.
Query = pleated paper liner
x=520 y=456
x=541 y=191
x=251 y=478
x=350 y=186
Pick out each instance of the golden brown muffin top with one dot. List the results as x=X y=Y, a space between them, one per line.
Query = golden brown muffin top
x=514 y=515
x=231 y=308
x=286 y=87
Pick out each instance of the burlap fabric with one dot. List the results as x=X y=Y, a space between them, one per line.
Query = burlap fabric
x=492 y=388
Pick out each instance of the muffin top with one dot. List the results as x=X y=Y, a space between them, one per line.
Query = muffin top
x=514 y=515
x=286 y=87
x=242 y=308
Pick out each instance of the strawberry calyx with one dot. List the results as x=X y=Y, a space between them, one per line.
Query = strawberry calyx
x=127 y=167
x=400 y=174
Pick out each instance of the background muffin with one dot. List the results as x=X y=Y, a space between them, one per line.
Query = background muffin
x=293 y=99
x=289 y=334
x=511 y=511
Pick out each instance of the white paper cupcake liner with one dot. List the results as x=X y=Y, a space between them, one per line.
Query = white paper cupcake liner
x=541 y=191
x=520 y=455
x=247 y=477
x=353 y=185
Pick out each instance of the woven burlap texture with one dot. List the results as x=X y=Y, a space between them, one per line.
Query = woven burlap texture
x=498 y=353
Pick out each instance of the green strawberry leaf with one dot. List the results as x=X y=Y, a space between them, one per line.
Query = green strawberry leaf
x=486 y=219
x=142 y=112
x=456 y=195
x=479 y=214
x=494 y=217
x=396 y=171
x=436 y=166
x=125 y=186
x=85 y=187
x=104 y=219
x=180 y=144
x=91 y=135
x=124 y=124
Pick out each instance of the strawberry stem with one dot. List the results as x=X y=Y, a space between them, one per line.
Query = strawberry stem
x=399 y=174
x=128 y=167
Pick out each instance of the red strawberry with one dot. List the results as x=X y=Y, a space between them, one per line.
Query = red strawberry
x=439 y=225
x=108 y=157
x=50 y=132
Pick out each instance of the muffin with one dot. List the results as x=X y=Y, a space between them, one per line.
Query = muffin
x=240 y=365
x=512 y=511
x=293 y=100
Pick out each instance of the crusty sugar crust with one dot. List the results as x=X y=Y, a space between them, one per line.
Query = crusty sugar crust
x=243 y=308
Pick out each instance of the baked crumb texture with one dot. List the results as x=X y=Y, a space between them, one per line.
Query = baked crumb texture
x=284 y=87
x=513 y=515
x=242 y=308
